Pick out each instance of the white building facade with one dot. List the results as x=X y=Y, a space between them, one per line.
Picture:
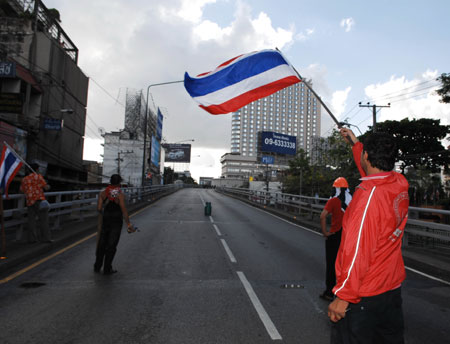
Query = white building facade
x=123 y=155
x=292 y=111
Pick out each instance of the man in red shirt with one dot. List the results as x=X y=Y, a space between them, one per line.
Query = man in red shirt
x=369 y=265
x=33 y=186
x=335 y=207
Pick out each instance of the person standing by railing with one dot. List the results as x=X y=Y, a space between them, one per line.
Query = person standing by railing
x=335 y=207
x=111 y=206
x=369 y=264
x=33 y=186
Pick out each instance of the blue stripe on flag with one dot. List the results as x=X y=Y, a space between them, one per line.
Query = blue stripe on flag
x=234 y=73
x=10 y=160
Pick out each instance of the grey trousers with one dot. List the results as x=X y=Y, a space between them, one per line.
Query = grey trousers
x=44 y=232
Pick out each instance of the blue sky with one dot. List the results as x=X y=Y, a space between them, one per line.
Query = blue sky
x=377 y=51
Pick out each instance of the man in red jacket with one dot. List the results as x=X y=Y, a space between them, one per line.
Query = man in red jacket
x=369 y=265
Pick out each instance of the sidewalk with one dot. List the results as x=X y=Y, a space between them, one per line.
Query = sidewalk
x=22 y=252
x=18 y=253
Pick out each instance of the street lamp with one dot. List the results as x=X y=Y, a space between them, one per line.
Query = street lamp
x=191 y=140
x=145 y=123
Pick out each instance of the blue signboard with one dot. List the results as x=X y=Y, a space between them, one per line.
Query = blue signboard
x=278 y=143
x=159 y=126
x=52 y=124
x=155 y=151
x=7 y=69
x=270 y=160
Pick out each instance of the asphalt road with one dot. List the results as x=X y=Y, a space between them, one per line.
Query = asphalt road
x=190 y=278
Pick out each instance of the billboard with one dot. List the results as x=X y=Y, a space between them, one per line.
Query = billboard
x=154 y=155
x=159 y=126
x=278 y=143
x=178 y=152
x=269 y=160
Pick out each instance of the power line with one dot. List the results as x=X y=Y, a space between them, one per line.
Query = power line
x=104 y=90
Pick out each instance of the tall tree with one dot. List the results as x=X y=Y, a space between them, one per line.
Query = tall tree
x=419 y=142
x=444 y=91
x=299 y=174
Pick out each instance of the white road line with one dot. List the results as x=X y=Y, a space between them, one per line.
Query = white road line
x=211 y=219
x=203 y=201
x=320 y=234
x=217 y=230
x=268 y=324
x=227 y=249
x=280 y=218
x=426 y=275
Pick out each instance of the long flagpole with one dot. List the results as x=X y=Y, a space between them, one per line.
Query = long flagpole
x=3 y=256
x=339 y=124
x=18 y=156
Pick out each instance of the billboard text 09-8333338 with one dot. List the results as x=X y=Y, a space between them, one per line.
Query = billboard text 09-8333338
x=278 y=143
x=177 y=152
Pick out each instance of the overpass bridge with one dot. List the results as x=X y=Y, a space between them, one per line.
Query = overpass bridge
x=249 y=273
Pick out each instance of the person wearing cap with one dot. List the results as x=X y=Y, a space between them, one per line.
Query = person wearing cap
x=335 y=207
x=111 y=204
x=369 y=264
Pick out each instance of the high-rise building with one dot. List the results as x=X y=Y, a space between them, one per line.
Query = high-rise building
x=292 y=111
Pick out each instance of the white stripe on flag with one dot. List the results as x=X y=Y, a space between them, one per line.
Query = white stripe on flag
x=11 y=170
x=235 y=90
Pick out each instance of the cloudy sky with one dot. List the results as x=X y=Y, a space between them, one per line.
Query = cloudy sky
x=355 y=51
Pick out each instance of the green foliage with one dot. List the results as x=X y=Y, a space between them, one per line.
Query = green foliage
x=54 y=14
x=421 y=155
x=333 y=159
x=425 y=187
x=419 y=142
x=169 y=175
x=444 y=91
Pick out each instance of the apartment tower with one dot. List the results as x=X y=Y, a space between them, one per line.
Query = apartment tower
x=292 y=111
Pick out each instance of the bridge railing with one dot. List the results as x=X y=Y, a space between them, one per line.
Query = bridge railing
x=426 y=227
x=74 y=205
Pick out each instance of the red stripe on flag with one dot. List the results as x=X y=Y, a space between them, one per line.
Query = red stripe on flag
x=222 y=65
x=250 y=96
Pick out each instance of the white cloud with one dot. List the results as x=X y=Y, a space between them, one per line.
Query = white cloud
x=257 y=33
x=304 y=35
x=192 y=10
x=92 y=149
x=347 y=24
x=339 y=101
x=414 y=98
x=205 y=162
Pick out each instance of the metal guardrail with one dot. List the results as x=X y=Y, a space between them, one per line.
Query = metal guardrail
x=423 y=232
x=75 y=205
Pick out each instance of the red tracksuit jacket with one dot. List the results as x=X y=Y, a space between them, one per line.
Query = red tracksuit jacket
x=369 y=261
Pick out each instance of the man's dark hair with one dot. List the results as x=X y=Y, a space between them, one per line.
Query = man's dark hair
x=35 y=167
x=115 y=179
x=342 y=198
x=382 y=150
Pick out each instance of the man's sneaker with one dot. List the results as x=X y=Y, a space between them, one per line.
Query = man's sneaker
x=109 y=272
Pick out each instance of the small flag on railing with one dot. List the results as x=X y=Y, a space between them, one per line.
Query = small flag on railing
x=10 y=164
x=240 y=81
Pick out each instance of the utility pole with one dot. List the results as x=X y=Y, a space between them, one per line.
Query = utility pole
x=374 y=113
x=119 y=159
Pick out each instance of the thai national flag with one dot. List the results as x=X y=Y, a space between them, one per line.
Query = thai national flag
x=9 y=166
x=240 y=81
